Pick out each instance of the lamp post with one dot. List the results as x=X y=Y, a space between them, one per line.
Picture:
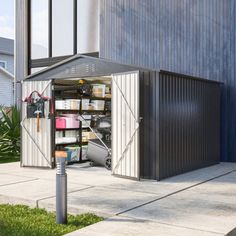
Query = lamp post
x=61 y=188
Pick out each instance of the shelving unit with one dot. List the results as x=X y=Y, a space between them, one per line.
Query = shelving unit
x=74 y=94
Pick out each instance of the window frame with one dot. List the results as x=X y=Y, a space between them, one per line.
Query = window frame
x=5 y=63
x=50 y=60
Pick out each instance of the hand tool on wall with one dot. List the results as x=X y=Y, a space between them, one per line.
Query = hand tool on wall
x=38 y=112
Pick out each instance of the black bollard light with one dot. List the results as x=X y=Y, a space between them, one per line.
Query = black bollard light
x=61 y=188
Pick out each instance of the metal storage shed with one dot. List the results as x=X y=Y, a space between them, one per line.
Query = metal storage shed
x=163 y=123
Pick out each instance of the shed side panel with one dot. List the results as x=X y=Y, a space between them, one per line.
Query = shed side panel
x=189 y=124
x=149 y=129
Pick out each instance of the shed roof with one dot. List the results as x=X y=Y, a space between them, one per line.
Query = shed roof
x=6 y=46
x=79 y=66
x=82 y=66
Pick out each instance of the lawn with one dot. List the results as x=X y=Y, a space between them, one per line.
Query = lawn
x=8 y=159
x=20 y=220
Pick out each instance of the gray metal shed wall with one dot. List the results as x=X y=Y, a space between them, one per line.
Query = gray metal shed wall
x=185 y=36
x=189 y=124
x=149 y=127
x=180 y=129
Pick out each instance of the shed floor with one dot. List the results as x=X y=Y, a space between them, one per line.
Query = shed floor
x=200 y=202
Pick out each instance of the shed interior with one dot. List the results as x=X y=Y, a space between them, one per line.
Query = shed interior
x=82 y=120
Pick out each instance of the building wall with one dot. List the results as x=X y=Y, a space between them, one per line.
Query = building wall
x=185 y=36
x=6 y=90
x=10 y=62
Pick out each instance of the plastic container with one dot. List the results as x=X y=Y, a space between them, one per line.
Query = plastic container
x=65 y=140
x=98 y=105
x=84 y=153
x=73 y=153
x=85 y=104
x=74 y=104
x=87 y=136
x=72 y=121
x=68 y=104
x=60 y=122
x=99 y=90
x=86 y=121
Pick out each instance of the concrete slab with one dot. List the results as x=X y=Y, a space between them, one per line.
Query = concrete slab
x=120 y=226
x=6 y=179
x=193 y=201
x=208 y=207
x=31 y=192
x=102 y=201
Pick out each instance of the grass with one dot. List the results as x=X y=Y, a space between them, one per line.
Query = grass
x=8 y=159
x=20 y=220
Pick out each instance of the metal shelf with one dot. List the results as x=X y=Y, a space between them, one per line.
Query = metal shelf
x=65 y=129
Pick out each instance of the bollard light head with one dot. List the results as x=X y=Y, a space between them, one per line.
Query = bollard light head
x=60 y=154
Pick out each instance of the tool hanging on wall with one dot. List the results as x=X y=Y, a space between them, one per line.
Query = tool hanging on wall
x=35 y=106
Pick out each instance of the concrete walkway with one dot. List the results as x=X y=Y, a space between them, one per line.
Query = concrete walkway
x=201 y=202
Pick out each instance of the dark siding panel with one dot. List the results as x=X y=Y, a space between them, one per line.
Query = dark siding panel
x=149 y=135
x=189 y=124
x=186 y=36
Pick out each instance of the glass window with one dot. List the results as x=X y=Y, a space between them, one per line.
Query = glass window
x=62 y=27
x=87 y=26
x=39 y=29
x=3 y=64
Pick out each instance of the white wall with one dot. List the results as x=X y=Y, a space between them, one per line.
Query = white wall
x=6 y=90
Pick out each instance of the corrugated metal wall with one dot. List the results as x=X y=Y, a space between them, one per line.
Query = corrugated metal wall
x=36 y=146
x=149 y=129
x=189 y=124
x=180 y=130
x=125 y=124
x=186 y=36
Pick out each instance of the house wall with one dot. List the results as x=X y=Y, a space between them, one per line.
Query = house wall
x=6 y=90
x=10 y=62
x=185 y=36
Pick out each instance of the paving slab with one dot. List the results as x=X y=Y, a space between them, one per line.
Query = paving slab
x=32 y=191
x=102 y=201
x=208 y=207
x=120 y=226
x=6 y=179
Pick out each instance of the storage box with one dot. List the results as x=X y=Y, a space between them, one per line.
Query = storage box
x=60 y=123
x=85 y=104
x=73 y=153
x=62 y=105
x=86 y=120
x=74 y=104
x=72 y=122
x=98 y=105
x=99 y=90
x=84 y=153
x=88 y=135
x=68 y=104
x=71 y=133
x=65 y=140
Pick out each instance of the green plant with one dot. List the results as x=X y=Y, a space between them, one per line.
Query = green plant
x=20 y=220
x=10 y=132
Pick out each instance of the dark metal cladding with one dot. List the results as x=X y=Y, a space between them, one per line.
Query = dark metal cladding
x=180 y=130
x=149 y=127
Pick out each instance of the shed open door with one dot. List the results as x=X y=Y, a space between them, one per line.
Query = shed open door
x=125 y=125
x=36 y=144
